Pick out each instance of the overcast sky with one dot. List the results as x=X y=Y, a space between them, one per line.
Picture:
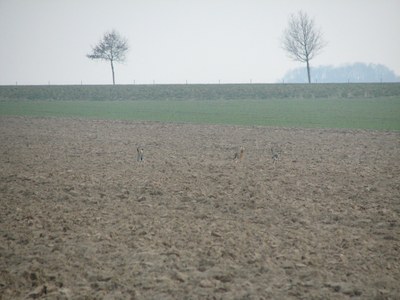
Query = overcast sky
x=174 y=41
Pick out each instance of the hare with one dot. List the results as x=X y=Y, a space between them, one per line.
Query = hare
x=275 y=155
x=140 y=154
x=239 y=155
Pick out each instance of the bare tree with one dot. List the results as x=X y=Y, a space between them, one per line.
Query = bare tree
x=302 y=40
x=112 y=47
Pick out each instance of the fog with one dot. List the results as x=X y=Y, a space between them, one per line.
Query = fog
x=179 y=41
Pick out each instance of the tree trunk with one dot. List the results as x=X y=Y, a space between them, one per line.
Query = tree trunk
x=112 y=70
x=308 y=71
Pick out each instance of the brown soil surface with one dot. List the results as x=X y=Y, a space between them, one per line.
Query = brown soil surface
x=80 y=218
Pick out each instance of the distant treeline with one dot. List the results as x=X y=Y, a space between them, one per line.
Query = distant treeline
x=198 y=91
x=350 y=73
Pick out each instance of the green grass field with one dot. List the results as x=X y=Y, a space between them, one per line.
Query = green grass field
x=370 y=108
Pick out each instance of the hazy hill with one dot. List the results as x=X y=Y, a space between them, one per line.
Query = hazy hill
x=357 y=72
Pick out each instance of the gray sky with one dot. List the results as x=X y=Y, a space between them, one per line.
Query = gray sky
x=171 y=41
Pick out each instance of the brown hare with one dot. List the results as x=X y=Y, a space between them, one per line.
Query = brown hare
x=239 y=155
x=275 y=155
x=140 y=154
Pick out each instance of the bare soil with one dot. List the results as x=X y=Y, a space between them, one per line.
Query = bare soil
x=80 y=218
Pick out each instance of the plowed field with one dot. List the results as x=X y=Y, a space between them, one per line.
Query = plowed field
x=81 y=218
